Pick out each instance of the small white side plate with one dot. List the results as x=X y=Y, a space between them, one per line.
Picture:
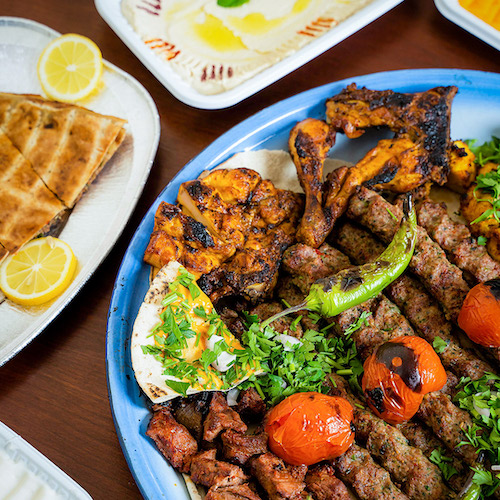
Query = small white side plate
x=26 y=474
x=100 y=216
x=111 y=12
x=452 y=10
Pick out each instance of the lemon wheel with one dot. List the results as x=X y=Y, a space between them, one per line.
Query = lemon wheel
x=41 y=270
x=70 y=68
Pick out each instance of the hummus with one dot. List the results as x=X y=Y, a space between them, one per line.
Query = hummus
x=216 y=48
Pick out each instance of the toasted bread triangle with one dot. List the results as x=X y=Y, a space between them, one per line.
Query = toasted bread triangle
x=67 y=145
x=26 y=204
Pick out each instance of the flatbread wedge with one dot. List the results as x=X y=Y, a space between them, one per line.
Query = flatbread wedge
x=26 y=204
x=67 y=145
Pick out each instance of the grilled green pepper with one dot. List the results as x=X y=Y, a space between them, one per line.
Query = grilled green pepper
x=332 y=295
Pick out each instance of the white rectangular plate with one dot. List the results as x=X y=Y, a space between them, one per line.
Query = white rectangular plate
x=100 y=216
x=28 y=475
x=452 y=10
x=111 y=12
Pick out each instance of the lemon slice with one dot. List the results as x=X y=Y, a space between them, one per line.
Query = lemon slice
x=40 y=271
x=70 y=68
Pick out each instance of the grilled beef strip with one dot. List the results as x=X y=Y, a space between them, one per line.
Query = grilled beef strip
x=212 y=473
x=369 y=480
x=443 y=279
x=456 y=240
x=238 y=492
x=221 y=417
x=419 y=478
x=172 y=439
x=191 y=411
x=322 y=483
x=276 y=478
x=238 y=448
x=417 y=305
x=251 y=406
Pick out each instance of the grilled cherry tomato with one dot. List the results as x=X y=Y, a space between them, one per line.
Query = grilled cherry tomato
x=398 y=374
x=309 y=427
x=479 y=317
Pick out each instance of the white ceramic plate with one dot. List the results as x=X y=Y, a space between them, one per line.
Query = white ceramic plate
x=100 y=216
x=111 y=12
x=27 y=474
x=452 y=10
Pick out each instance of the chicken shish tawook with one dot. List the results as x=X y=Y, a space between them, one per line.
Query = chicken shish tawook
x=379 y=397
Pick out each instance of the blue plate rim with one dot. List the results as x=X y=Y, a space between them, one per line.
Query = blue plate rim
x=120 y=322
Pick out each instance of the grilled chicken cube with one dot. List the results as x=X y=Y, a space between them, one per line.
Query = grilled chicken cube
x=177 y=236
x=462 y=167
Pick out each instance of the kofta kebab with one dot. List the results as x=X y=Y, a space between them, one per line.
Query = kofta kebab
x=312 y=345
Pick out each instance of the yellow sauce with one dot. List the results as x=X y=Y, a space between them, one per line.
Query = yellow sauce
x=213 y=32
x=257 y=24
x=486 y=10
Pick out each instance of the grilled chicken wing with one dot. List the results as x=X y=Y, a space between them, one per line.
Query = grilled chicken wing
x=418 y=153
x=423 y=117
x=309 y=143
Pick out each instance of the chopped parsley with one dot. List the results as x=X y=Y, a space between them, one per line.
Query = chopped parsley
x=177 y=334
x=486 y=152
x=488 y=183
x=439 y=344
x=482 y=240
x=443 y=462
x=481 y=398
x=303 y=367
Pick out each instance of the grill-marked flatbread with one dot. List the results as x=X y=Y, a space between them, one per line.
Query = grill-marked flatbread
x=67 y=145
x=3 y=254
x=26 y=204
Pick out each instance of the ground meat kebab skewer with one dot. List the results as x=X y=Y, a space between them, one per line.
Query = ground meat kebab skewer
x=456 y=240
x=419 y=478
x=443 y=279
x=436 y=410
x=357 y=468
x=417 y=305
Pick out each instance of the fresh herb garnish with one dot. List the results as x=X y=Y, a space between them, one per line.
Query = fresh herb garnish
x=488 y=183
x=482 y=240
x=231 y=3
x=443 y=462
x=486 y=152
x=303 y=366
x=481 y=398
x=439 y=344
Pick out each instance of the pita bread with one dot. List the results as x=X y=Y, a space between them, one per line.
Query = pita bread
x=67 y=145
x=149 y=371
x=26 y=204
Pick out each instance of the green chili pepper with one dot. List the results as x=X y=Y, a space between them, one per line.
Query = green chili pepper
x=330 y=296
x=473 y=492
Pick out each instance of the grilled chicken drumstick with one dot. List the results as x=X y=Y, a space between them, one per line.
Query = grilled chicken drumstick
x=309 y=143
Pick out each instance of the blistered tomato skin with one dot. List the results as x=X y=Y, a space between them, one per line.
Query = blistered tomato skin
x=479 y=317
x=398 y=375
x=309 y=427
x=386 y=394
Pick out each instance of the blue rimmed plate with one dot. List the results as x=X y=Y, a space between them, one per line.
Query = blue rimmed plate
x=476 y=114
